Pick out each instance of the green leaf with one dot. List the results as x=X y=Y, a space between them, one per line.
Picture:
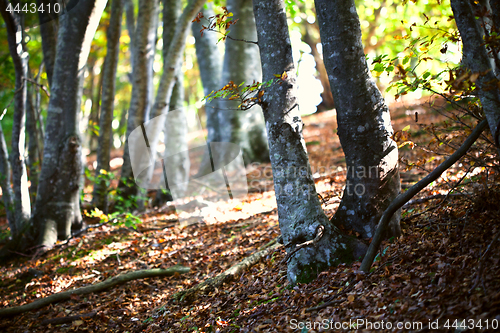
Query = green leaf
x=379 y=67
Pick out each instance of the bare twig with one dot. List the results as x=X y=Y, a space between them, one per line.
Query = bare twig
x=412 y=191
x=319 y=234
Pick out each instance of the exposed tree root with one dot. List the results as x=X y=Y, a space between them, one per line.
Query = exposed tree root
x=111 y=282
x=229 y=274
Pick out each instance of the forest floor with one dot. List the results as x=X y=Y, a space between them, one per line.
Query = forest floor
x=442 y=274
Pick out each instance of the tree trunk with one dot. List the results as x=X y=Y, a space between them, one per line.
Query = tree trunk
x=48 y=31
x=210 y=65
x=301 y=217
x=33 y=147
x=152 y=38
x=143 y=46
x=130 y=21
x=171 y=63
x=326 y=95
x=176 y=153
x=100 y=194
x=7 y=194
x=242 y=64
x=364 y=124
x=22 y=205
x=475 y=57
x=57 y=206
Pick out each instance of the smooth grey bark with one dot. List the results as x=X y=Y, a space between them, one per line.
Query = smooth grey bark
x=57 y=206
x=175 y=127
x=171 y=63
x=242 y=64
x=153 y=39
x=210 y=66
x=130 y=22
x=7 y=194
x=173 y=58
x=364 y=124
x=48 y=31
x=22 y=205
x=33 y=146
x=299 y=210
x=100 y=193
x=138 y=103
x=475 y=57
x=95 y=93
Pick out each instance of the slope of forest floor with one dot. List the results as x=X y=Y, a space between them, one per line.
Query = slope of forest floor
x=443 y=270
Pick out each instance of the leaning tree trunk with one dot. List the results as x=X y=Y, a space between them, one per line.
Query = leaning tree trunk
x=210 y=65
x=171 y=64
x=242 y=64
x=301 y=217
x=100 y=194
x=176 y=153
x=475 y=57
x=22 y=205
x=364 y=124
x=57 y=206
x=143 y=46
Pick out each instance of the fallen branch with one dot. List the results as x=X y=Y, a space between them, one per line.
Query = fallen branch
x=111 y=282
x=412 y=191
x=229 y=274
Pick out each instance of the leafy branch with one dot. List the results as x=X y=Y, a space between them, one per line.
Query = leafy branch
x=220 y=23
x=247 y=95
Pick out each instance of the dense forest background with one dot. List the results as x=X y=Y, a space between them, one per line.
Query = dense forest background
x=284 y=165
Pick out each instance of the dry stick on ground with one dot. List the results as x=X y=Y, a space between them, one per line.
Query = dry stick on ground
x=229 y=274
x=406 y=196
x=111 y=282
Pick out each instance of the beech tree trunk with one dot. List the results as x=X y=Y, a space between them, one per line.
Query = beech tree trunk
x=176 y=153
x=171 y=64
x=242 y=64
x=7 y=194
x=33 y=146
x=130 y=22
x=49 y=24
x=300 y=214
x=210 y=65
x=476 y=58
x=364 y=123
x=22 y=205
x=100 y=194
x=57 y=206
x=143 y=46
